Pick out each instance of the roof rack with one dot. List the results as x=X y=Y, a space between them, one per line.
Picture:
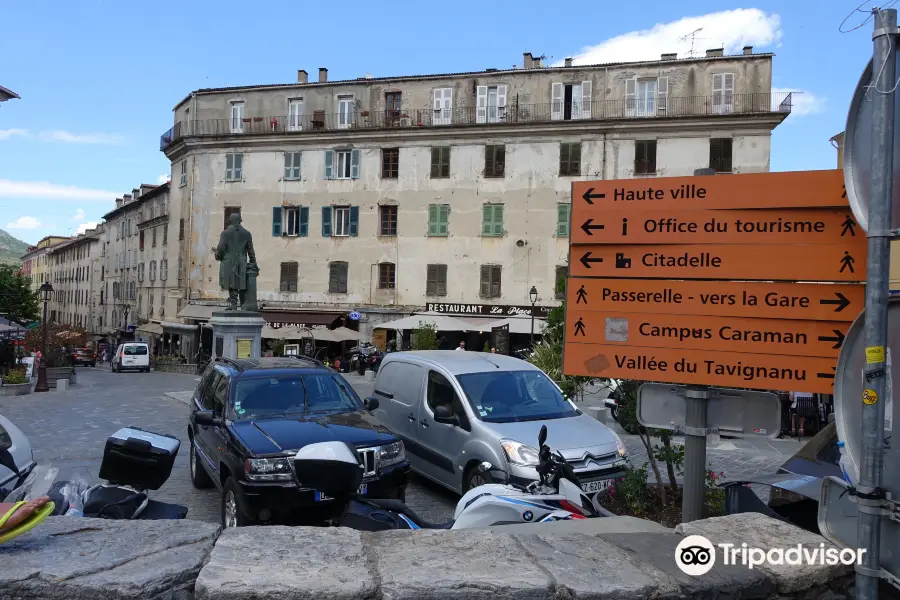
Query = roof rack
x=230 y=361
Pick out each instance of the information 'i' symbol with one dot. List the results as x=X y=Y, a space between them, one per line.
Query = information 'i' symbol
x=625 y=226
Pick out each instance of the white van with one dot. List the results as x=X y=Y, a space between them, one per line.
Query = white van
x=131 y=356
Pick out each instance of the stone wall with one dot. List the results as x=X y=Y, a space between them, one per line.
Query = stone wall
x=69 y=558
x=188 y=369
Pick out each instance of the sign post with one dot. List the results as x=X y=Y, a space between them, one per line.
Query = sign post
x=686 y=280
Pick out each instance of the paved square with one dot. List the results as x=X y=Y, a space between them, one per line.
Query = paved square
x=69 y=430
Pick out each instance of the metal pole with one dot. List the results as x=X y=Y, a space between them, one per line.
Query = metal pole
x=869 y=492
x=42 y=385
x=694 y=488
x=532 y=323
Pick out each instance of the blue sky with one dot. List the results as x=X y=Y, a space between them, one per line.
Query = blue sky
x=99 y=79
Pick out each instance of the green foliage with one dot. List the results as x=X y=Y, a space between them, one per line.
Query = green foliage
x=715 y=496
x=548 y=354
x=58 y=337
x=14 y=377
x=424 y=337
x=276 y=347
x=17 y=301
x=487 y=346
x=632 y=489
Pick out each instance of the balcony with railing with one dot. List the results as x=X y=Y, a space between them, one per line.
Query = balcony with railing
x=602 y=110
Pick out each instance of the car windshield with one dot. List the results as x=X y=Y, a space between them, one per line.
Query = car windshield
x=510 y=396
x=292 y=395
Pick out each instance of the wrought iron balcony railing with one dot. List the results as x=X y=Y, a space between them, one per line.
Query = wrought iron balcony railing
x=601 y=110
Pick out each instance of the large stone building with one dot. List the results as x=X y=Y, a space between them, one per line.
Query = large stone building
x=73 y=275
x=36 y=262
x=384 y=196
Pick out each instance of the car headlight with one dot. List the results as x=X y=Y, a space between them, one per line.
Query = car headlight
x=620 y=446
x=392 y=453
x=268 y=469
x=518 y=453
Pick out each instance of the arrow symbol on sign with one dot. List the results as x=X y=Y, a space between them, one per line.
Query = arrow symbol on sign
x=838 y=338
x=587 y=227
x=841 y=302
x=586 y=260
x=827 y=375
x=589 y=196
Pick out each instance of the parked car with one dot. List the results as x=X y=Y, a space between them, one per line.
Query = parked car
x=454 y=410
x=22 y=456
x=84 y=356
x=131 y=356
x=249 y=418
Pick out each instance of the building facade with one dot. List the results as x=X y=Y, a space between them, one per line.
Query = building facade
x=73 y=277
x=36 y=262
x=385 y=196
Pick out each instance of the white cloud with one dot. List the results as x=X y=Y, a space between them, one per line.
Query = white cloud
x=79 y=215
x=85 y=226
x=802 y=102
x=731 y=29
x=24 y=223
x=5 y=134
x=66 y=137
x=162 y=179
x=52 y=191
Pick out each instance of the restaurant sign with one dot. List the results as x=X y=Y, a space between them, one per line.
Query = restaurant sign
x=488 y=310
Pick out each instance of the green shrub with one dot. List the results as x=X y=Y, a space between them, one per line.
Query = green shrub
x=14 y=377
x=633 y=489
x=424 y=337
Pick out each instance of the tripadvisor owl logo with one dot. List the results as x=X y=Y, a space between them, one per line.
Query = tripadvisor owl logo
x=695 y=555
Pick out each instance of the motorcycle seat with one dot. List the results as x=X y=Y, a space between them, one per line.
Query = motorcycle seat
x=400 y=507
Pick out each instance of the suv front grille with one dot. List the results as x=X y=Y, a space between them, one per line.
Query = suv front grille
x=369 y=459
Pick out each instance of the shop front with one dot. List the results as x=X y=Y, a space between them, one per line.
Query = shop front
x=276 y=319
x=506 y=328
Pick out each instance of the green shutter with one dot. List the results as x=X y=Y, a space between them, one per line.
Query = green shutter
x=498 y=219
x=443 y=219
x=276 y=221
x=487 y=219
x=354 y=220
x=433 y=219
x=326 y=221
x=304 y=221
x=562 y=220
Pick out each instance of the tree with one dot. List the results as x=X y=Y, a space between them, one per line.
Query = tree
x=424 y=337
x=548 y=354
x=17 y=302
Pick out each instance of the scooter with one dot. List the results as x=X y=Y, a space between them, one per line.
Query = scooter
x=556 y=496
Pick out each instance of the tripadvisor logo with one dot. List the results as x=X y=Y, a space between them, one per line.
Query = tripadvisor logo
x=695 y=555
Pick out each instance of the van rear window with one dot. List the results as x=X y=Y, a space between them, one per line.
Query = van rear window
x=135 y=350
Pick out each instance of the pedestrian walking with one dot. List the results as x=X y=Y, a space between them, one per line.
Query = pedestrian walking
x=102 y=356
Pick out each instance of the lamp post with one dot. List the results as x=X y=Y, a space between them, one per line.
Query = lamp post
x=533 y=294
x=46 y=292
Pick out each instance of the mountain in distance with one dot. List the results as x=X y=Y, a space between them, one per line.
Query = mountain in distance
x=11 y=249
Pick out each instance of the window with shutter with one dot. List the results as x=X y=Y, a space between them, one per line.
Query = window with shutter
x=586 y=99
x=354 y=221
x=556 y=101
x=440 y=162
x=492 y=220
x=337 y=278
x=234 y=163
x=494 y=161
x=183 y=181
x=304 y=221
x=662 y=103
x=237 y=117
x=354 y=164
x=291 y=166
x=442 y=106
x=436 y=280
x=723 y=93
x=153 y=236
x=326 y=221
x=720 y=154
x=562 y=219
x=490 y=281
x=180 y=229
x=341 y=218
x=645 y=157
x=570 y=159
x=438 y=219
x=289 y=277
x=329 y=164
x=344 y=163
x=276 y=221
x=291 y=220
x=165 y=230
x=387 y=273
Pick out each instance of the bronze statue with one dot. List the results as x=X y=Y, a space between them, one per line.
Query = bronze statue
x=234 y=251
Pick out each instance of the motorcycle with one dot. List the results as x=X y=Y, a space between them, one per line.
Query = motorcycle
x=333 y=469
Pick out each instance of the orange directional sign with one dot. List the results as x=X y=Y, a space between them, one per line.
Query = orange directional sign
x=730 y=369
x=743 y=262
x=728 y=334
x=798 y=189
x=814 y=301
x=655 y=226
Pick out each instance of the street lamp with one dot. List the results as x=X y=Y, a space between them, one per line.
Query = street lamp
x=125 y=310
x=533 y=294
x=46 y=292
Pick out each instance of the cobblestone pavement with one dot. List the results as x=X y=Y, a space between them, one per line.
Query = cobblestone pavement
x=69 y=430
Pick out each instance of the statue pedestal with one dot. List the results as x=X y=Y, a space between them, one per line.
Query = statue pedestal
x=237 y=334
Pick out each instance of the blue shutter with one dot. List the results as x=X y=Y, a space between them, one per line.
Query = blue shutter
x=276 y=221
x=326 y=221
x=329 y=162
x=354 y=172
x=354 y=218
x=304 y=221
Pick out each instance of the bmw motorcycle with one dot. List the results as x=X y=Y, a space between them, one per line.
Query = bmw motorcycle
x=556 y=496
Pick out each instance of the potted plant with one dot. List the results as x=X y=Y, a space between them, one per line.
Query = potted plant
x=15 y=383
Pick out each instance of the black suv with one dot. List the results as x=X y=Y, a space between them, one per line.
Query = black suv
x=249 y=418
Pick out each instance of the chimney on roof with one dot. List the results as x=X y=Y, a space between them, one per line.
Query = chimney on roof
x=569 y=61
x=537 y=63
x=528 y=61
x=748 y=49
x=715 y=52
x=670 y=56
x=302 y=76
x=119 y=202
x=323 y=74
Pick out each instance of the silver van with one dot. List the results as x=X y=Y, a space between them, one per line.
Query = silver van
x=454 y=410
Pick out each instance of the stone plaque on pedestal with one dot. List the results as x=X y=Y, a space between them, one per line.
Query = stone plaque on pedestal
x=240 y=332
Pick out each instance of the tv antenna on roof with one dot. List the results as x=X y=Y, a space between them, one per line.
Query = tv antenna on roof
x=693 y=36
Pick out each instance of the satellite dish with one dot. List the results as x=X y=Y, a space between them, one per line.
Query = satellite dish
x=848 y=396
x=858 y=148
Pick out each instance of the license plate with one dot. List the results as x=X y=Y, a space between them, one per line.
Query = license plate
x=362 y=491
x=592 y=487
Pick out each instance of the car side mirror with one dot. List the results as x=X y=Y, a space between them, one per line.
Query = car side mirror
x=371 y=403
x=542 y=436
x=443 y=415
x=207 y=418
